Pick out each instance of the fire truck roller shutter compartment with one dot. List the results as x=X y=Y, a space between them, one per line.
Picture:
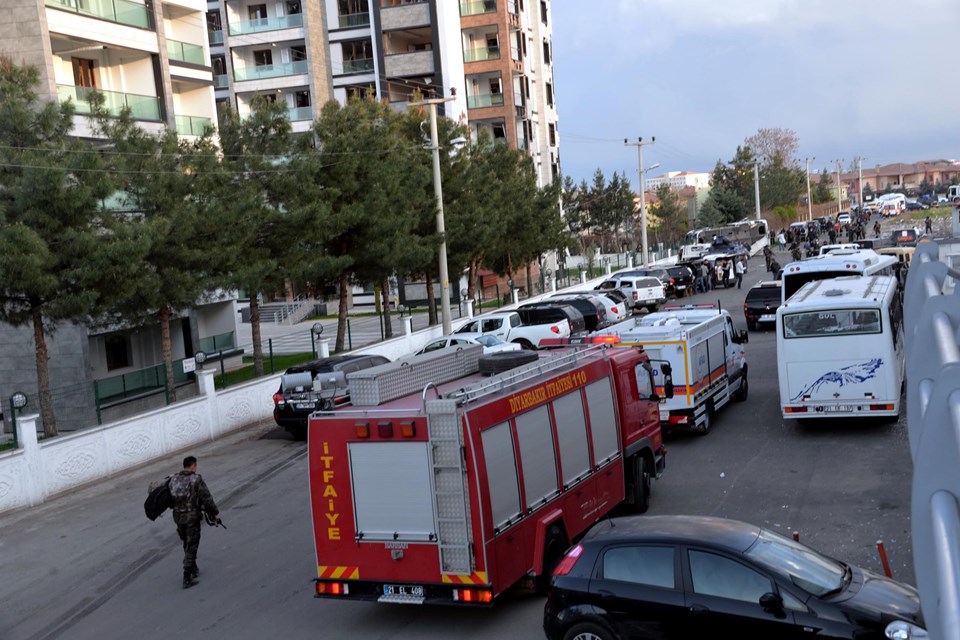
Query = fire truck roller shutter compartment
x=537 y=456
x=501 y=474
x=572 y=436
x=603 y=422
x=391 y=491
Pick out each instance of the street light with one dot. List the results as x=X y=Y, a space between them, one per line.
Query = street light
x=438 y=192
x=315 y=332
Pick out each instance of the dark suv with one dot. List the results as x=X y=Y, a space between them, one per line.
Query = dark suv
x=761 y=303
x=549 y=312
x=682 y=280
x=593 y=311
x=297 y=396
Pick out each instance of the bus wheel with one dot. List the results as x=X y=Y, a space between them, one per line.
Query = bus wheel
x=554 y=545
x=641 y=485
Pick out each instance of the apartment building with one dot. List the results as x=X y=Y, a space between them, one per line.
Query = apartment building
x=679 y=179
x=148 y=55
x=152 y=57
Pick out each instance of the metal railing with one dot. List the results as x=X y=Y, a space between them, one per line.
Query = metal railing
x=141 y=107
x=270 y=71
x=485 y=100
x=192 y=125
x=358 y=65
x=932 y=323
x=266 y=24
x=354 y=20
x=185 y=52
x=476 y=8
x=481 y=54
x=212 y=344
x=134 y=14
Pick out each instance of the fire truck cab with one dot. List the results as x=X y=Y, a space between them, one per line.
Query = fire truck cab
x=438 y=485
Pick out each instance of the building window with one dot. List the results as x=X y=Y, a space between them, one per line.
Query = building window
x=118 y=352
x=546 y=52
x=494 y=85
x=83 y=73
x=298 y=52
x=219 y=65
x=553 y=135
x=257 y=12
x=499 y=132
x=302 y=99
x=213 y=21
x=543 y=11
x=263 y=57
x=526 y=86
x=293 y=7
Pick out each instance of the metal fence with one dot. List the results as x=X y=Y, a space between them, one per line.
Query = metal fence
x=932 y=316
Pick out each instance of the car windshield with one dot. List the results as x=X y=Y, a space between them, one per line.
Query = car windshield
x=814 y=573
x=488 y=340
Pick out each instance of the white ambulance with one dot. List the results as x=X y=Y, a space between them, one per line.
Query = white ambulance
x=705 y=351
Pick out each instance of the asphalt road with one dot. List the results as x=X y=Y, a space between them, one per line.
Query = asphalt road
x=88 y=566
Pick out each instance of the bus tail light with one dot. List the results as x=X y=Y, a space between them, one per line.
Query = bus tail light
x=565 y=566
x=795 y=410
x=678 y=419
x=881 y=407
x=362 y=430
x=408 y=429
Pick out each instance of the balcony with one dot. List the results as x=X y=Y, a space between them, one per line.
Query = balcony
x=185 y=52
x=358 y=65
x=479 y=55
x=192 y=125
x=300 y=113
x=266 y=24
x=221 y=81
x=133 y=14
x=482 y=100
x=216 y=37
x=476 y=8
x=141 y=107
x=270 y=71
x=353 y=20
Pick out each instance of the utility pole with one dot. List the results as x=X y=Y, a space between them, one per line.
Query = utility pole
x=438 y=193
x=809 y=201
x=639 y=144
x=756 y=187
x=860 y=183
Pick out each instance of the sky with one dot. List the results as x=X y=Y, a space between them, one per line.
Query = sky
x=871 y=78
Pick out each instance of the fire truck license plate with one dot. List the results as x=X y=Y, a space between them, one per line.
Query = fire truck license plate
x=403 y=590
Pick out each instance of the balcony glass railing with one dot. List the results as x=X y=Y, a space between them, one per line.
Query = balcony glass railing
x=213 y=344
x=478 y=55
x=221 y=81
x=192 y=125
x=270 y=71
x=266 y=24
x=358 y=65
x=476 y=8
x=485 y=100
x=141 y=107
x=300 y=113
x=354 y=20
x=185 y=52
x=126 y=12
x=216 y=37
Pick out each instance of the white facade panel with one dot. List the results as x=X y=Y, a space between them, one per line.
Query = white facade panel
x=101 y=31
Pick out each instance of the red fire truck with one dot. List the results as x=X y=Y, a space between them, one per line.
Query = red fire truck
x=435 y=484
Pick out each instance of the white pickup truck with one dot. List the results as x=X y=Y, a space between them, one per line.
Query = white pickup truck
x=507 y=326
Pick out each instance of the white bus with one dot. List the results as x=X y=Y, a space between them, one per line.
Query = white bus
x=840 y=349
x=842 y=262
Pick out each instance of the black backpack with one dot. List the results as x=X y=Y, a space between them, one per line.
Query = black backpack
x=159 y=499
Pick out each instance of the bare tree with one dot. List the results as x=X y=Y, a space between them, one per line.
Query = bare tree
x=766 y=143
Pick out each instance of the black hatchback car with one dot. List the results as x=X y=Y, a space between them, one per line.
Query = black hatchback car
x=544 y=312
x=296 y=398
x=687 y=577
x=762 y=302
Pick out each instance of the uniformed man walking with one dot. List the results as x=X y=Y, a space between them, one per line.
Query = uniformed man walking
x=191 y=498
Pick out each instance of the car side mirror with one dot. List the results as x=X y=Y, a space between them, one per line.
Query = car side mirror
x=772 y=603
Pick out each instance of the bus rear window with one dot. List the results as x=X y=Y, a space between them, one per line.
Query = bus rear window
x=814 y=324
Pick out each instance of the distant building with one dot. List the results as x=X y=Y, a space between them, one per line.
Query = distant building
x=903 y=176
x=679 y=179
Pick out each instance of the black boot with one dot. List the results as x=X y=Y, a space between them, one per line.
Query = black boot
x=188 y=580
x=195 y=571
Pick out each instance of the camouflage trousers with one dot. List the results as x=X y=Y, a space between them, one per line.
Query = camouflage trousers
x=188 y=528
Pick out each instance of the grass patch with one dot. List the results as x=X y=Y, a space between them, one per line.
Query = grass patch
x=248 y=372
x=7 y=446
